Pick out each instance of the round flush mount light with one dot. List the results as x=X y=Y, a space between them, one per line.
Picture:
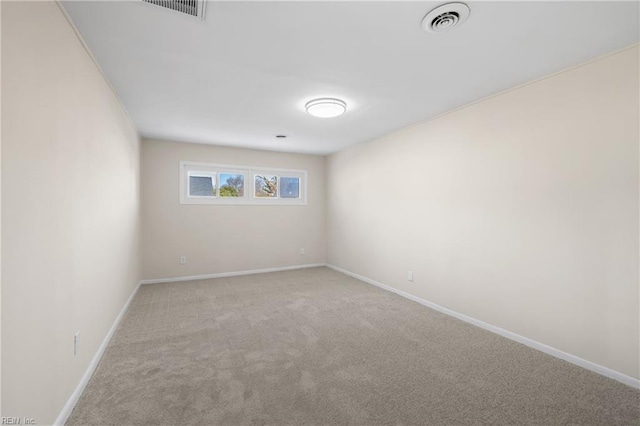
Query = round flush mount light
x=281 y=136
x=326 y=107
x=445 y=18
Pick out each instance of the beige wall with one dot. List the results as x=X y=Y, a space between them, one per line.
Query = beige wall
x=225 y=238
x=70 y=209
x=520 y=211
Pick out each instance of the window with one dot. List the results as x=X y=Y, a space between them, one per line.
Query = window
x=266 y=186
x=221 y=184
x=202 y=184
x=231 y=185
x=289 y=187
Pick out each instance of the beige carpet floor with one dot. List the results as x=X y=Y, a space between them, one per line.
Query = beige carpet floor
x=316 y=347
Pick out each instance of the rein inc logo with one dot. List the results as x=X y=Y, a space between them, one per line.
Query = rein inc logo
x=17 y=421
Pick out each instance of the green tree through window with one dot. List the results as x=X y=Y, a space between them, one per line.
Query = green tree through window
x=232 y=185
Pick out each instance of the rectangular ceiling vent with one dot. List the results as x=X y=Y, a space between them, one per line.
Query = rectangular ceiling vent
x=193 y=8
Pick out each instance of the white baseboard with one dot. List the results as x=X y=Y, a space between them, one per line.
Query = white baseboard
x=75 y=396
x=228 y=274
x=607 y=372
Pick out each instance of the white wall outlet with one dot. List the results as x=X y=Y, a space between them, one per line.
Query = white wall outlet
x=183 y=260
x=302 y=251
x=76 y=343
x=410 y=276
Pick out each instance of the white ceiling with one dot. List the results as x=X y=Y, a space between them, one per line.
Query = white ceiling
x=243 y=75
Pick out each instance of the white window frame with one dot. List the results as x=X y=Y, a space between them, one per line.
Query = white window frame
x=190 y=168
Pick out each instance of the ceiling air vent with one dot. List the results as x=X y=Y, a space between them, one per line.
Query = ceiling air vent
x=193 y=8
x=445 y=17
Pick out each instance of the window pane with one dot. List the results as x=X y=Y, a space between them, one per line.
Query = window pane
x=231 y=185
x=201 y=186
x=266 y=186
x=289 y=187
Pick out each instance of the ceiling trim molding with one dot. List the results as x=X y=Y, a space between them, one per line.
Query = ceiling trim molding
x=494 y=95
x=97 y=65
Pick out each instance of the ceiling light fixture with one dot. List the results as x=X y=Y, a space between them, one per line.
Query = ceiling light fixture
x=326 y=107
x=445 y=18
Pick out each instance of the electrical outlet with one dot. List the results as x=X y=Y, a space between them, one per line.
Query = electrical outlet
x=76 y=343
x=410 y=276
x=302 y=251
x=183 y=260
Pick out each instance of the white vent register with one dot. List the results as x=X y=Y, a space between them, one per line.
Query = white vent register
x=193 y=8
x=445 y=18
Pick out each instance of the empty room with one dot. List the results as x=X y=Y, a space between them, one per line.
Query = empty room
x=320 y=212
